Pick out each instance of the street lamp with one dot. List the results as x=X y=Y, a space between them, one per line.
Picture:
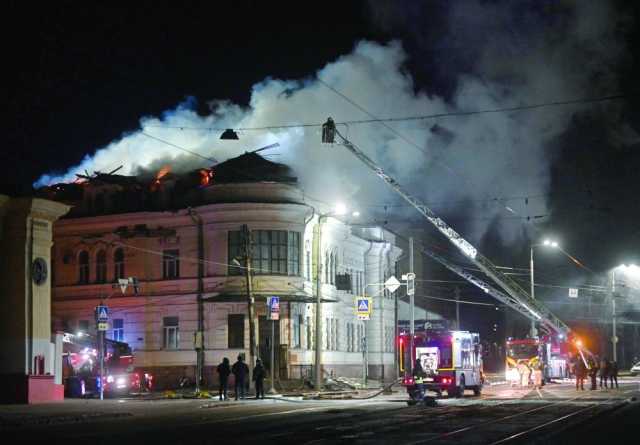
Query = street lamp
x=546 y=243
x=339 y=210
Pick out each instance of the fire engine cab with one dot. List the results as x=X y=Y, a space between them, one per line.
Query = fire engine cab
x=443 y=360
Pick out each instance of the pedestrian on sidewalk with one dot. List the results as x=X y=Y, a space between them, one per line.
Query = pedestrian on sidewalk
x=240 y=371
x=593 y=373
x=613 y=374
x=258 y=377
x=605 y=367
x=537 y=376
x=223 y=374
x=580 y=372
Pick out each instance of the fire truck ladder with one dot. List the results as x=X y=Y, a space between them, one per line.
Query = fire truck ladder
x=514 y=291
x=507 y=300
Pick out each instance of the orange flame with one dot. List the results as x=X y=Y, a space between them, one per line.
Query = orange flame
x=163 y=171
x=206 y=177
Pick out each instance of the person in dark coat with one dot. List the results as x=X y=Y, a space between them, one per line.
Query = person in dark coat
x=258 y=377
x=613 y=374
x=223 y=373
x=581 y=373
x=240 y=371
x=593 y=373
x=604 y=372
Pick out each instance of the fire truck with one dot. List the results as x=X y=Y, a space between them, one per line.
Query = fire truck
x=521 y=352
x=449 y=360
x=81 y=368
x=555 y=353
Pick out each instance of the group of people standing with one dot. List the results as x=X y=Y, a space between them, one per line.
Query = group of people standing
x=605 y=369
x=240 y=371
x=531 y=375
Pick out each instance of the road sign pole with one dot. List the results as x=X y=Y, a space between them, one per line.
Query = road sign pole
x=412 y=330
x=101 y=340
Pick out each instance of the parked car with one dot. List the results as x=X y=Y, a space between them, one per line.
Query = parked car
x=635 y=369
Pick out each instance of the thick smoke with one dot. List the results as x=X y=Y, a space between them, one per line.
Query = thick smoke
x=460 y=164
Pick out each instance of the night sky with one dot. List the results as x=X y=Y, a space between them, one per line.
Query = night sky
x=81 y=76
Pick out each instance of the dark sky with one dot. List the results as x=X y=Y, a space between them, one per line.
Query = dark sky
x=80 y=75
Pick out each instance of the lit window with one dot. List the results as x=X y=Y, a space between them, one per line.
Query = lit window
x=171 y=337
x=118 y=329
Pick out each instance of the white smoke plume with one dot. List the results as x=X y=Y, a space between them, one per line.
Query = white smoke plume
x=460 y=164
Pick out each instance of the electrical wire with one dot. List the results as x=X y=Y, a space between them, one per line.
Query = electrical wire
x=421 y=117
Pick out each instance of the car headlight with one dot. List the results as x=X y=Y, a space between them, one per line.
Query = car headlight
x=110 y=379
x=121 y=381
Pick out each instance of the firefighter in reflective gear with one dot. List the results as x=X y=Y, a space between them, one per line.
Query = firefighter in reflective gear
x=418 y=378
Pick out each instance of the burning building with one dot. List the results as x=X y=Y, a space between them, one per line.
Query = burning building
x=181 y=236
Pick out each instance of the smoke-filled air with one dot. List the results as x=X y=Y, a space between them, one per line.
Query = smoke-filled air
x=458 y=164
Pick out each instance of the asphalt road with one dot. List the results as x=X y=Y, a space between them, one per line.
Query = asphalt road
x=555 y=414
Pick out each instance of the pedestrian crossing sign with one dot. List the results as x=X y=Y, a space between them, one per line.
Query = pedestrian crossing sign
x=363 y=308
x=102 y=313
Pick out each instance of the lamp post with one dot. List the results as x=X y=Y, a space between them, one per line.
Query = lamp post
x=339 y=210
x=548 y=243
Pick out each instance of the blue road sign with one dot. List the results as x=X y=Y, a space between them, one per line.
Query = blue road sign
x=274 y=307
x=363 y=305
x=102 y=313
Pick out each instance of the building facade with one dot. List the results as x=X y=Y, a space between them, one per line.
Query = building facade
x=178 y=252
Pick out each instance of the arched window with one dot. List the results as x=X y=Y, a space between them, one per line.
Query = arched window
x=101 y=267
x=118 y=264
x=83 y=267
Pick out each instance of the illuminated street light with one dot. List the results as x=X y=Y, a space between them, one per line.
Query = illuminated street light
x=340 y=209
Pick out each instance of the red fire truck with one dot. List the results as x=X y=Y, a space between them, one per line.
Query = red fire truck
x=450 y=361
x=81 y=368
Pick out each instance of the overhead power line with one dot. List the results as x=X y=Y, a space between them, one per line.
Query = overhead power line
x=420 y=117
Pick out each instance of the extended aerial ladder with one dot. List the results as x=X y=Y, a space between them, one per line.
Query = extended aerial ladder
x=514 y=296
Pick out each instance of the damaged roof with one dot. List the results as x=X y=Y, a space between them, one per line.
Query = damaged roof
x=251 y=167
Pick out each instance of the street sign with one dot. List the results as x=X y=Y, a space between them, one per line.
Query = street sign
x=102 y=313
x=363 y=308
x=274 y=308
x=392 y=284
x=103 y=326
x=573 y=293
x=411 y=287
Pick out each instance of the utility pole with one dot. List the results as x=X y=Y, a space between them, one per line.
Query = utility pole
x=412 y=328
x=457 y=292
x=318 y=336
x=246 y=236
x=534 y=332
x=614 y=338
x=198 y=340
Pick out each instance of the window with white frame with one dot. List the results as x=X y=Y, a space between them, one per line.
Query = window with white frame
x=309 y=334
x=170 y=264
x=171 y=334
x=297 y=327
x=328 y=333
x=117 y=329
